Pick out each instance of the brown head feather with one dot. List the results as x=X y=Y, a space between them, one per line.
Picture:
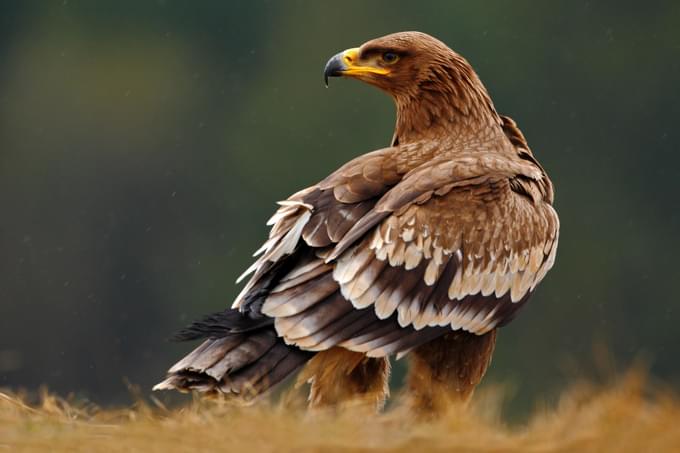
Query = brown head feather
x=436 y=91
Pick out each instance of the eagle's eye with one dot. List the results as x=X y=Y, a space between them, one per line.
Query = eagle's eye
x=390 y=57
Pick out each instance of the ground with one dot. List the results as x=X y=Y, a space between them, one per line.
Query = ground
x=625 y=415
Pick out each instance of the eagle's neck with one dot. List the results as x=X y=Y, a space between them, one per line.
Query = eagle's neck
x=451 y=106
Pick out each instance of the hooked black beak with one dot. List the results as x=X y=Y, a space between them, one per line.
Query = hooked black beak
x=334 y=67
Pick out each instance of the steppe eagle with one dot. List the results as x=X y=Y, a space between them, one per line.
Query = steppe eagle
x=423 y=248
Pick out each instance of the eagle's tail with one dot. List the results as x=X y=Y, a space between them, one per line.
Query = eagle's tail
x=240 y=356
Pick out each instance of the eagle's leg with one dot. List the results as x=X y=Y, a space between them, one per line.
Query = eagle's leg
x=448 y=369
x=340 y=377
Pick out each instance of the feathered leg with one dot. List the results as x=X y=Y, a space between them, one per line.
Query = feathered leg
x=448 y=369
x=339 y=377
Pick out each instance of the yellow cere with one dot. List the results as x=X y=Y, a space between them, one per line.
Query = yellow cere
x=351 y=57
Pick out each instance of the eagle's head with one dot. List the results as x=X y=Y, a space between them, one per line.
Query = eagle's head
x=399 y=63
x=431 y=84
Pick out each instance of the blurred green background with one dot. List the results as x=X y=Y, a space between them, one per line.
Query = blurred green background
x=143 y=145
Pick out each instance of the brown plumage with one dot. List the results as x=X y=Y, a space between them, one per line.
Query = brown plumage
x=425 y=247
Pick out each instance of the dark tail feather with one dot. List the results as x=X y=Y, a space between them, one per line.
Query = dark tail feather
x=279 y=362
x=241 y=356
x=221 y=324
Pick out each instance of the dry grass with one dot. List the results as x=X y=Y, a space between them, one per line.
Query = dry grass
x=621 y=417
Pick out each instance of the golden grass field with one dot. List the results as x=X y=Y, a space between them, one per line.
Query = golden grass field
x=625 y=416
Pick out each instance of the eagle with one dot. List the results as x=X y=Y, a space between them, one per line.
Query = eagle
x=422 y=249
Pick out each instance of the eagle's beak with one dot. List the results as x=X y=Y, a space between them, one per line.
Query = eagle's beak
x=347 y=64
x=334 y=67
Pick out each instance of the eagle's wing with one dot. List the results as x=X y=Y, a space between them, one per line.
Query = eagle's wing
x=380 y=262
x=478 y=250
